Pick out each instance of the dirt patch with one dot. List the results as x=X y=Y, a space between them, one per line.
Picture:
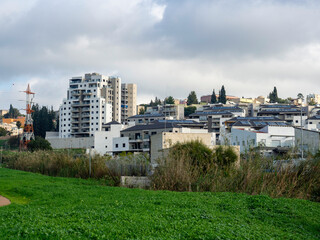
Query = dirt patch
x=4 y=201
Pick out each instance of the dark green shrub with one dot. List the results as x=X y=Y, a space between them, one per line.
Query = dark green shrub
x=39 y=144
x=198 y=154
x=13 y=142
x=225 y=156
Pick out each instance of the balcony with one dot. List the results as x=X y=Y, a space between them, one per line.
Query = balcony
x=85 y=120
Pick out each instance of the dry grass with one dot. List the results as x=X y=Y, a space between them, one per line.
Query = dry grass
x=253 y=176
x=63 y=165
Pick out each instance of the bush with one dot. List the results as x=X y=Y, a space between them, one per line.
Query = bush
x=198 y=154
x=255 y=175
x=39 y=144
x=14 y=142
x=3 y=132
x=225 y=156
x=62 y=164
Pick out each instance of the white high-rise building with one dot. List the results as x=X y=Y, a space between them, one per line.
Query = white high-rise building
x=92 y=100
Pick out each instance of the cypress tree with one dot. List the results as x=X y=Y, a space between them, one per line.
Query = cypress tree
x=223 y=97
x=213 y=97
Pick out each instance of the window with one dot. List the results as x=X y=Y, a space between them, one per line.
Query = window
x=106 y=137
x=97 y=100
x=153 y=133
x=106 y=146
x=123 y=145
x=117 y=145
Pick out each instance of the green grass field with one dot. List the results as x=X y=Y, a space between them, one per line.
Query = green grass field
x=60 y=208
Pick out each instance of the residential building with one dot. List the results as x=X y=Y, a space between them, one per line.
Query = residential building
x=282 y=111
x=313 y=123
x=3 y=112
x=170 y=111
x=92 y=101
x=255 y=123
x=313 y=98
x=214 y=116
x=128 y=100
x=139 y=135
x=207 y=98
x=145 y=118
x=104 y=140
x=14 y=120
x=271 y=139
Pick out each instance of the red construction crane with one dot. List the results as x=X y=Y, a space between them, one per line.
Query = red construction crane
x=28 y=133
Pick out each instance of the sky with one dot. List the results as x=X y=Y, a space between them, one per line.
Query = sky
x=165 y=47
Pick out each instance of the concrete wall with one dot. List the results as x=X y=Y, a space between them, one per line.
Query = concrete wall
x=61 y=143
x=311 y=140
x=165 y=140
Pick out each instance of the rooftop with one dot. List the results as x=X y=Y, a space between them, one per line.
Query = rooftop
x=165 y=124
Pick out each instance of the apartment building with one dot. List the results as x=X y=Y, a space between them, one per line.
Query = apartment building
x=92 y=101
x=128 y=101
x=170 y=111
x=271 y=139
x=139 y=136
x=282 y=111
x=145 y=118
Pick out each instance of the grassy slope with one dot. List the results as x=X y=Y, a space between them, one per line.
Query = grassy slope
x=51 y=208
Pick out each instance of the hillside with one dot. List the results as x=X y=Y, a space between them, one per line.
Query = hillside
x=63 y=208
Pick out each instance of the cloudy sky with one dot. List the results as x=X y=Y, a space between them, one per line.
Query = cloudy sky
x=166 y=47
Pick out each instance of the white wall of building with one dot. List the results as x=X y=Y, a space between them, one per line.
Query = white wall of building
x=103 y=140
x=270 y=136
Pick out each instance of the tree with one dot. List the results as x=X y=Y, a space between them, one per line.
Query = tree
x=169 y=100
x=3 y=132
x=192 y=98
x=12 y=113
x=43 y=120
x=213 y=97
x=156 y=102
x=39 y=144
x=222 y=95
x=189 y=110
x=18 y=124
x=273 y=96
x=14 y=142
x=142 y=111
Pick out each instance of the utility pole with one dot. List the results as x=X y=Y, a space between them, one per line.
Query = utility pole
x=300 y=96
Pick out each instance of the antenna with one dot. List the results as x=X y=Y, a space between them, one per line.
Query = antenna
x=28 y=133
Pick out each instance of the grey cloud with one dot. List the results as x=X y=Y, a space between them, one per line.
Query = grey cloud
x=198 y=45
